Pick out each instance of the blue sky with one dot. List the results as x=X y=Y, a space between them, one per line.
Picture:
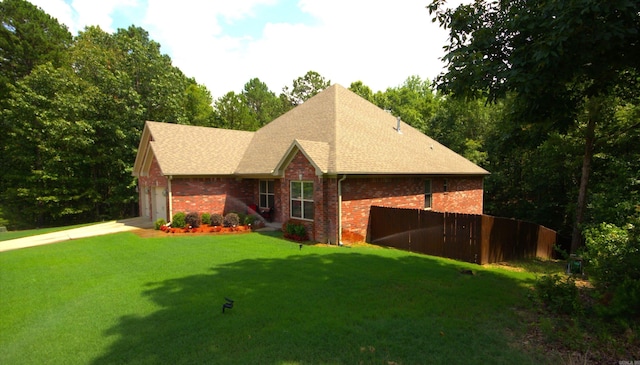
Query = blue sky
x=225 y=43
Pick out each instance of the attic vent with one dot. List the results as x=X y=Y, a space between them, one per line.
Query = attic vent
x=398 y=126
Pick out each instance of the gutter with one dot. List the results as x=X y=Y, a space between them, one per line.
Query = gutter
x=170 y=195
x=339 y=241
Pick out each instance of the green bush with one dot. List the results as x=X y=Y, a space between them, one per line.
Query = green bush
x=250 y=219
x=613 y=259
x=159 y=223
x=179 y=220
x=295 y=230
x=193 y=220
x=231 y=220
x=216 y=219
x=241 y=217
x=205 y=218
x=559 y=295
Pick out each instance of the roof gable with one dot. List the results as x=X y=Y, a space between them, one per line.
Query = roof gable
x=317 y=153
x=191 y=150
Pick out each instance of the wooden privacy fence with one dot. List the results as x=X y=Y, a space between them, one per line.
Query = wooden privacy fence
x=480 y=239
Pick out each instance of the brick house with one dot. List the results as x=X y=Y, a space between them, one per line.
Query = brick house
x=324 y=163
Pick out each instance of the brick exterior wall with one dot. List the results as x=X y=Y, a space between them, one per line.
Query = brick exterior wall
x=463 y=195
x=300 y=169
x=224 y=195
x=212 y=195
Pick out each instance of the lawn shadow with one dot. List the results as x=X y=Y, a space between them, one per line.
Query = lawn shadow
x=324 y=306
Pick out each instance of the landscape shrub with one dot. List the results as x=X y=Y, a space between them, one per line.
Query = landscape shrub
x=295 y=230
x=231 y=220
x=217 y=219
x=159 y=223
x=559 y=295
x=205 y=218
x=241 y=217
x=613 y=261
x=250 y=219
x=193 y=220
x=179 y=220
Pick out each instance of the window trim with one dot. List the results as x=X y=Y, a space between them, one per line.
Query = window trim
x=302 y=199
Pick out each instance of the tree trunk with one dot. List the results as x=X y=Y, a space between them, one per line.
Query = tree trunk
x=593 y=111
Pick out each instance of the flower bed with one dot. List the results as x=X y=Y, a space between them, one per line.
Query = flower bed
x=206 y=229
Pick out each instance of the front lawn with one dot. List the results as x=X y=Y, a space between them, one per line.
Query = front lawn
x=125 y=299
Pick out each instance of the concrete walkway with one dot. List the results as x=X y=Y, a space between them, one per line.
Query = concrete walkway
x=99 y=229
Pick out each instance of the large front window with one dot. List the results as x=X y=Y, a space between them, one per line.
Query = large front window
x=302 y=200
x=266 y=194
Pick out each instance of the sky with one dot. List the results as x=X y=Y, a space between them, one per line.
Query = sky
x=225 y=43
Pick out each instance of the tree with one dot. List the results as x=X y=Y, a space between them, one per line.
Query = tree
x=198 y=106
x=28 y=37
x=233 y=112
x=51 y=144
x=414 y=102
x=263 y=103
x=462 y=125
x=560 y=58
x=305 y=87
x=361 y=89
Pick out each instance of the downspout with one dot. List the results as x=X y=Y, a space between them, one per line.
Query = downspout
x=170 y=195
x=339 y=241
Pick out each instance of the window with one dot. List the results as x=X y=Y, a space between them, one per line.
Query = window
x=302 y=200
x=445 y=185
x=428 y=196
x=267 y=196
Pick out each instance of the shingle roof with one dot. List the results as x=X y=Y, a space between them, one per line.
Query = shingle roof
x=190 y=150
x=337 y=130
x=361 y=139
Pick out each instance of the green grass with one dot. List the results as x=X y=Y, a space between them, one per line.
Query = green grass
x=10 y=235
x=125 y=299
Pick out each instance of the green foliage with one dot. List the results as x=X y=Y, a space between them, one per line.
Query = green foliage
x=205 y=218
x=559 y=295
x=613 y=255
x=562 y=70
x=231 y=220
x=159 y=223
x=295 y=230
x=362 y=90
x=304 y=88
x=217 y=219
x=192 y=220
x=250 y=219
x=179 y=220
x=72 y=114
x=414 y=102
x=262 y=102
x=232 y=112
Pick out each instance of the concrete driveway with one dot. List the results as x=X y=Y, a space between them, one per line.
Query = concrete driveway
x=100 y=229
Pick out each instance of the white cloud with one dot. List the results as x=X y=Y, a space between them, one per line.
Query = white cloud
x=57 y=9
x=379 y=43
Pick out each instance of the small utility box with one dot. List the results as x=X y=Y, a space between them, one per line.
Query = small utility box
x=3 y=229
x=575 y=266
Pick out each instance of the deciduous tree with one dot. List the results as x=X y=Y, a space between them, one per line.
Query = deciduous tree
x=560 y=59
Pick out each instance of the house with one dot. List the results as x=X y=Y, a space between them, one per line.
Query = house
x=323 y=163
